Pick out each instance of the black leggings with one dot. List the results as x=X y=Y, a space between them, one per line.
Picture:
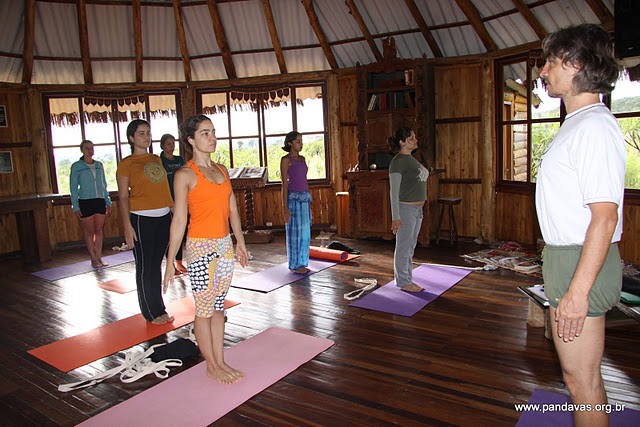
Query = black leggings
x=149 y=250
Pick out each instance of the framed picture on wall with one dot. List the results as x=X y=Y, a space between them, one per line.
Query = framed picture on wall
x=3 y=117
x=6 y=163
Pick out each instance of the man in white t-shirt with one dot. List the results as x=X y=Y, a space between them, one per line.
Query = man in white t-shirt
x=579 y=195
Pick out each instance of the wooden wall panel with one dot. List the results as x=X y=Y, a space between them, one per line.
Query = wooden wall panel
x=458 y=91
x=457 y=150
x=9 y=229
x=15 y=107
x=467 y=212
x=348 y=133
x=516 y=218
x=630 y=244
x=20 y=181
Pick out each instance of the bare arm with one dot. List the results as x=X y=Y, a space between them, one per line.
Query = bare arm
x=183 y=182
x=285 y=162
x=123 y=203
x=574 y=306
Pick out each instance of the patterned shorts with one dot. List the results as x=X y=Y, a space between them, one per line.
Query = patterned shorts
x=210 y=265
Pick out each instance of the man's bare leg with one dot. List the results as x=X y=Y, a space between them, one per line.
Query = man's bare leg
x=580 y=360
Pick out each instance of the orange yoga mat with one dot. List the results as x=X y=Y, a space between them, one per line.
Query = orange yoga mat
x=329 y=254
x=73 y=352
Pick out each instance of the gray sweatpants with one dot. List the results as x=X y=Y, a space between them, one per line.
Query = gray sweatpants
x=406 y=240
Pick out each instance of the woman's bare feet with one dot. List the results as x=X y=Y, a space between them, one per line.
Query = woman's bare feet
x=96 y=263
x=301 y=270
x=225 y=374
x=412 y=288
x=162 y=319
x=104 y=264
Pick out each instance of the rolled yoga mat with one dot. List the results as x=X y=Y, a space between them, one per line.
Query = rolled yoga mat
x=74 y=352
x=390 y=299
x=327 y=254
x=551 y=410
x=190 y=398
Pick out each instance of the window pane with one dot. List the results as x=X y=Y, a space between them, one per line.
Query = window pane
x=64 y=158
x=65 y=122
x=515 y=153
x=244 y=121
x=163 y=116
x=543 y=105
x=514 y=91
x=631 y=131
x=155 y=148
x=106 y=154
x=126 y=115
x=97 y=132
x=221 y=155
x=245 y=153
x=278 y=119
x=625 y=98
x=541 y=136
x=214 y=106
x=310 y=115
x=314 y=153
x=274 y=154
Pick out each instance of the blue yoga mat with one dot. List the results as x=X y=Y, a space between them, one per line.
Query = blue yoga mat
x=58 y=273
x=546 y=409
x=435 y=280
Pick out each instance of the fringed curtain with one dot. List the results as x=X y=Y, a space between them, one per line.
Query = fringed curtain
x=250 y=97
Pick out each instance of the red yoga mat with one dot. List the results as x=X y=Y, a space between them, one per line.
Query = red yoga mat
x=328 y=254
x=73 y=352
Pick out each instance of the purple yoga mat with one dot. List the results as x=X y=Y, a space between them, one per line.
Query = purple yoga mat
x=549 y=412
x=58 y=273
x=390 y=299
x=278 y=276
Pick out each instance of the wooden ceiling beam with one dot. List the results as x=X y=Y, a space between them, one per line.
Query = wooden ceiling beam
x=475 y=20
x=137 y=37
x=533 y=22
x=275 y=39
x=182 y=40
x=29 y=35
x=221 y=38
x=417 y=16
x=602 y=12
x=315 y=24
x=353 y=10
x=83 y=31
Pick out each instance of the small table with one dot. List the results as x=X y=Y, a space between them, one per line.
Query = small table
x=539 y=313
x=33 y=224
x=248 y=179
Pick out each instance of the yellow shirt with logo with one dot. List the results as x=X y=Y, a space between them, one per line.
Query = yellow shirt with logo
x=148 y=185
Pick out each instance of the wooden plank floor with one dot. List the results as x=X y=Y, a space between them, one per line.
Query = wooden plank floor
x=463 y=360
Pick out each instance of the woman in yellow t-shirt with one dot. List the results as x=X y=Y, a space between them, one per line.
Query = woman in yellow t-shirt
x=145 y=206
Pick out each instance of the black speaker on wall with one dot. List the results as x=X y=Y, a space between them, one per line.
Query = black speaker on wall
x=627 y=30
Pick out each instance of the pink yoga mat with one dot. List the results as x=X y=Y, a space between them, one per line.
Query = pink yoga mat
x=192 y=399
x=390 y=299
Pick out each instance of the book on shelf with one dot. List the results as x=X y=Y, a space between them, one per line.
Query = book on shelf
x=408 y=100
x=408 y=77
x=372 y=102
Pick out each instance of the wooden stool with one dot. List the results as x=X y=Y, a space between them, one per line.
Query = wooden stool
x=453 y=232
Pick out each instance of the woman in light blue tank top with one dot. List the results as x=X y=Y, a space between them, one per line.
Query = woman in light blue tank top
x=296 y=203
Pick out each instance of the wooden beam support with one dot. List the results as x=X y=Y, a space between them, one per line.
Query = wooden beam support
x=137 y=37
x=182 y=40
x=417 y=16
x=533 y=22
x=315 y=24
x=475 y=20
x=83 y=31
x=601 y=11
x=29 y=35
x=273 y=31
x=221 y=38
x=353 y=10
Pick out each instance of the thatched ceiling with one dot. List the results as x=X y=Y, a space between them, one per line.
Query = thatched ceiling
x=117 y=41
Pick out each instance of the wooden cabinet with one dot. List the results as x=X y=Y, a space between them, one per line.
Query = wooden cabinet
x=370 y=210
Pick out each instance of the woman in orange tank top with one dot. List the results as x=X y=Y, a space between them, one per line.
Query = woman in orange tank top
x=203 y=189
